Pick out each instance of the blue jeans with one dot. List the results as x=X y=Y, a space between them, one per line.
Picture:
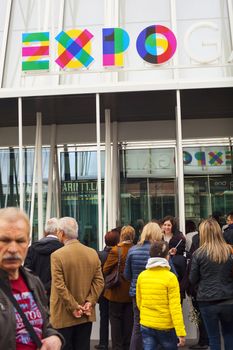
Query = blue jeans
x=213 y=315
x=152 y=338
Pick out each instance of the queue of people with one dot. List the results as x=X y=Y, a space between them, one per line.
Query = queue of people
x=144 y=308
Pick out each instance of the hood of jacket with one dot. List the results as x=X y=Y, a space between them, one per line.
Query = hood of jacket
x=157 y=262
x=46 y=245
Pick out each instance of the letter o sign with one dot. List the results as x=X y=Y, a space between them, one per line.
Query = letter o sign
x=153 y=37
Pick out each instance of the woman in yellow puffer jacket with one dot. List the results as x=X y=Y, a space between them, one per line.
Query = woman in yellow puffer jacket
x=158 y=299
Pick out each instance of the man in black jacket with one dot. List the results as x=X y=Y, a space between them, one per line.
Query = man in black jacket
x=38 y=257
x=228 y=232
x=28 y=291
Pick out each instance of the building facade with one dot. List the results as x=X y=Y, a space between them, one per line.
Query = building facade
x=116 y=113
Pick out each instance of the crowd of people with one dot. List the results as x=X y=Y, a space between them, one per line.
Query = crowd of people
x=49 y=291
x=164 y=262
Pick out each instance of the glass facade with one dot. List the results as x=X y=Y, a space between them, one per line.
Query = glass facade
x=79 y=193
x=9 y=181
x=149 y=188
x=148 y=184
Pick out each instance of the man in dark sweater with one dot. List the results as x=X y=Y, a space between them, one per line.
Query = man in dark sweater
x=228 y=232
x=38 y=256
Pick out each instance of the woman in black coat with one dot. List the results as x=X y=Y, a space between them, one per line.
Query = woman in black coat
x=211 y=270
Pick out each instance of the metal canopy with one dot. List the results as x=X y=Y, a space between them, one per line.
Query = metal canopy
x=124 y=106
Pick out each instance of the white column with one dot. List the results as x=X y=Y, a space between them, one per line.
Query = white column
x=34 y=178
x=39 y=177
x=108 y=163
x=180 y=168
x=51 y=173
x=174 y=29
x=230 y=14
x=100 y=226
x=60 y=27
x=56 y=186
x=20 y=130
x=3 y=51
x=179 y=155
x=115 y=176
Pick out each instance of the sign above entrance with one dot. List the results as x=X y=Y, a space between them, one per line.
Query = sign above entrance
x=155 y=44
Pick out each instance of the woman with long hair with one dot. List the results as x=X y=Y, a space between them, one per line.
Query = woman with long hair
x=211 y=270
x=136 y=262
x=120 y=303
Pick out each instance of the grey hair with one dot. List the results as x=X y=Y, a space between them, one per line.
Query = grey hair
x=69 y=226
x=51 y=226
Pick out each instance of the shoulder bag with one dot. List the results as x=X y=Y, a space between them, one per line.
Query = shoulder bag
x=113 y=279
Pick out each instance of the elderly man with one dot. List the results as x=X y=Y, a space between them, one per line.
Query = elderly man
x=77 y=283
x=38 y=256
x=26 y=288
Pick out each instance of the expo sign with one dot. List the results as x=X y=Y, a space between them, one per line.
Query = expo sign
x=155 y=45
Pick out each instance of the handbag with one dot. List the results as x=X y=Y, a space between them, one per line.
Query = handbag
x=113 y=279
x=27 y=324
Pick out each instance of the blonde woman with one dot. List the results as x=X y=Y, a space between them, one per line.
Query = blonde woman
x=211 y=270
x=120 y=303
x=136 y=262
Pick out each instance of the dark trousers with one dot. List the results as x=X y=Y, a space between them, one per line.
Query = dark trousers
x=203 y=336
x=77 y=337
x=104 y=321
x=214 y=315
x=153 y=338
x=121 y=320
x=136 y=338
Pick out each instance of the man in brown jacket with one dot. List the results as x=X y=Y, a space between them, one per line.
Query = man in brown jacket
x=77 y=283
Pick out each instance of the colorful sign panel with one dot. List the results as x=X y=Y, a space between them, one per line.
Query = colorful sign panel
x=151 y=39
x=209 y=160
x=161 y=162
x=74 y=47
x=35 y=51
x=115 y=42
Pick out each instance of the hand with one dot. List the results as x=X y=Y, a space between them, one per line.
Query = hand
x=78 y=313
x=51 y=343
x=172 y=251
x=181 y=341
x=87 y=308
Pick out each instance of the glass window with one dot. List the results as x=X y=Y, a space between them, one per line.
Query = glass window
x=208 y=182
x=9 y=181
x=79 y=192
x=147 y=185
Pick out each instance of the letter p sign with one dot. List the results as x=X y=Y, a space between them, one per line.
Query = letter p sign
x=115 y=42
